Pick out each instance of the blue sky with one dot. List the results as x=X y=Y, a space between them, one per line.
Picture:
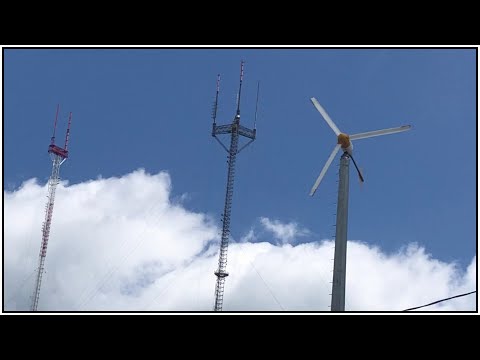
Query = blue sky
x=152 y=109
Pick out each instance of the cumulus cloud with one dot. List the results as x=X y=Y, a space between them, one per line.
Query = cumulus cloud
x=250 y=236
x=283 y=232
x=124 y=244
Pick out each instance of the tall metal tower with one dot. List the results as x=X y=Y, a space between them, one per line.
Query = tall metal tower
x=236 y=130
x=58 y=156
x=344 y=142
x=340 y=257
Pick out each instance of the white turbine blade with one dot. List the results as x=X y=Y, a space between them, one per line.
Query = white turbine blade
x=380 y=132
x=324 y=170
x=325 y=116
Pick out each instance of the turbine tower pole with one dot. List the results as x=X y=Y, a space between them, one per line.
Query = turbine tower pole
x=236 y=130
x=58 y=156
x=340 y=258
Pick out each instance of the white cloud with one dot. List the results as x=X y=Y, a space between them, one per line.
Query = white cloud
x=123 y=244
x=284 y=232
x=249 y=236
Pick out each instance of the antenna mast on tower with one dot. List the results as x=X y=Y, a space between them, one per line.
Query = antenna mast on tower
x=236 y=130
x=58 y=156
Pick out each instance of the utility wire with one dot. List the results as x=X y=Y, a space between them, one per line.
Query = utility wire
x=20 y=286
x=137 y=242
x=266 y=285
x=435 y=302
x=263 y=280
x=174 y=279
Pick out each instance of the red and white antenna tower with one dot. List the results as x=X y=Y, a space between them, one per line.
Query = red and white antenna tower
x=58 y=155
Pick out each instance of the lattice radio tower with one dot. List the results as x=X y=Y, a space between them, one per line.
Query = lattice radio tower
x=236 y=130
x=58 y=156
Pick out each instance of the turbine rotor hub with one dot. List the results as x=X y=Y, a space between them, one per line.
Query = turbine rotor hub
x=343 y=140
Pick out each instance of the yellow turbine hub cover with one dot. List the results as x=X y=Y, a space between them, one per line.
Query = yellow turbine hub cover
x=344 y=140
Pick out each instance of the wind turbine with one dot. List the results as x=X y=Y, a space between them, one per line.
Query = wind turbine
x=344 y=142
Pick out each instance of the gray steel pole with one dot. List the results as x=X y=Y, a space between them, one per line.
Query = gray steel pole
x=340 y=258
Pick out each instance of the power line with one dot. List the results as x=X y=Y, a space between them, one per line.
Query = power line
x=139 y=240
x=266 y=285
x=435 y=302
x=21 y=286
x=174 y=279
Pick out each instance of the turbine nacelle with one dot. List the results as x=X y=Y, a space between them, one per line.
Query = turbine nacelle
x=344 y=142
